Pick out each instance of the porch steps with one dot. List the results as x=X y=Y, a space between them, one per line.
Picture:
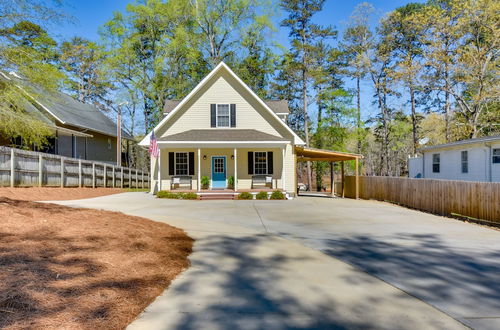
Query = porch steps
x=221 y=196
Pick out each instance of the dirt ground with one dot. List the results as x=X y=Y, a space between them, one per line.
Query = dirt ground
x=79 y=268
x=56 y=194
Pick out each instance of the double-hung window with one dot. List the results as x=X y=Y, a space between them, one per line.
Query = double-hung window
x=223 y=115
x=260 y=162
x=495 y=156
x=181 y=163
x=436 y=161
x=465 y=161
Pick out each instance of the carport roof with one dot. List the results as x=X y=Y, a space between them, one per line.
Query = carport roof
x=305 y=154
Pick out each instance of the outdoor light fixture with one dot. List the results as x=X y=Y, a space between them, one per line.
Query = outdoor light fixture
x=204 y=157
x=232 y=156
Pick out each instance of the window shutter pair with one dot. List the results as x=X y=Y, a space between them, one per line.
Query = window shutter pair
x=171 y=163
x=213 y=115
x=270 y=163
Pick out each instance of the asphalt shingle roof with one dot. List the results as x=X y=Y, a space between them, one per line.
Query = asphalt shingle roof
x=228 y=134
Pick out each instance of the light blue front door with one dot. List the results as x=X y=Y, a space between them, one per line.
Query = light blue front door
x=219 y=172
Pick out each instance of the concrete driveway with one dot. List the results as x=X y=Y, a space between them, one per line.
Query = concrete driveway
x=321 y=263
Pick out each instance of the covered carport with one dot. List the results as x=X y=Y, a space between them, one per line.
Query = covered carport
x=305 y=154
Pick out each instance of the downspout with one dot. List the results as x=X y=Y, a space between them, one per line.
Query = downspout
x=489 y=160
x=423 y=165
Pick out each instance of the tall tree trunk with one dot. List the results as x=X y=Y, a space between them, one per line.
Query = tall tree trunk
x=358 y=114
x=306 y=125
x=413 y=120
x=319 y=144
x=447 y=104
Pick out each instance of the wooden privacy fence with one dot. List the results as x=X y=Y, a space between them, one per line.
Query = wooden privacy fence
x=21 y=168
x=480 y=200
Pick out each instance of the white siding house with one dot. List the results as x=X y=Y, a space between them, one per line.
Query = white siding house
x=467 y=160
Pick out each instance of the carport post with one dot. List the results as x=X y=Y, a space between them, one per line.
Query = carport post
x=342 y=178
x=357 y=178
x=332 y=180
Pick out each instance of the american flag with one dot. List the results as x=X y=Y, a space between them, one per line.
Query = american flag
x=153 y=146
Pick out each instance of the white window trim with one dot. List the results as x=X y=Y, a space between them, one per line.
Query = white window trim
x=217 y=115
x=255 y=162
x=175 y=161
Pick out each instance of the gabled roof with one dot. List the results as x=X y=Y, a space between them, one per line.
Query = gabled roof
x=220 y=66
x=279 y=107
x=63 y=108
x=203 y=135
x=494 y=138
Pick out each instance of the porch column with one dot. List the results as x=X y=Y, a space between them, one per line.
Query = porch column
x=283 y=176
x=342 y=177
x=159 y=169
x=357 y=178
x=235 y=169
x=199 y=170
x=332 y=180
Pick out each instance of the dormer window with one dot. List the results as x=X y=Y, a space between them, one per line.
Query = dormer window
x=223 y=115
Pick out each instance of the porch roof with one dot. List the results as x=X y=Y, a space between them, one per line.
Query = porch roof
x=305 y=154
x=226 y=135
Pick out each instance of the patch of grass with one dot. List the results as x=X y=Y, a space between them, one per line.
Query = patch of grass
x=261 y=195
x=135 y=189
x=245 y=195
x=277 y=195
x=174 y=195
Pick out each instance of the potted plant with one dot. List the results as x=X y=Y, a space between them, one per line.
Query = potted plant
x=205 y=182
x=230 y=182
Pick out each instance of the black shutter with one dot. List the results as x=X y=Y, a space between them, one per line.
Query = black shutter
x=233 y=115
x=191 y=163
x=250 y=162
x=269 y=162
x=213 y=116
x=171 y=163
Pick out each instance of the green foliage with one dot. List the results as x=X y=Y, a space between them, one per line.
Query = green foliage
x=174 y=195
x=230 y=181
x=205 y=181
x=261 y=195
x=245 y=195
x=277 y=195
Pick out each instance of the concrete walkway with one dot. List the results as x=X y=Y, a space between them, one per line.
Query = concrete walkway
x=321 y=263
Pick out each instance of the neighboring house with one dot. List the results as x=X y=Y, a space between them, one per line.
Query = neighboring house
x=223 y=130
x=81 y=130
x=468 y=160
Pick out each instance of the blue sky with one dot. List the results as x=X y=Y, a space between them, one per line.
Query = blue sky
x=91 y=14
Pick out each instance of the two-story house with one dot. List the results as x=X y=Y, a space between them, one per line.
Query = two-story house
x=222 y=131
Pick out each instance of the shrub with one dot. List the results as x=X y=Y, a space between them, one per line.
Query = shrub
x=261 y=195
x=205 y=182
x=230 y=181
x=245 y=195
x=167 y=194
x=173 y=195
x=189 y=195
x=277 y=195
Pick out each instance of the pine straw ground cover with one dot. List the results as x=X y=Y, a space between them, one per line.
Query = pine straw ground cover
x=55 y=194
x=72 y=268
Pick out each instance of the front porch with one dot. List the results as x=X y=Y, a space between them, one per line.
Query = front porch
x=223 y=170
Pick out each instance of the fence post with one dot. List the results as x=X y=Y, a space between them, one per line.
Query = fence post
x=114 y=177
x=12 y=167
x=129 y=178
x=136 y=180
x=40 y=170
x=79 y=173
x=62 y=172
x=93 y=175
x=104 y=176
x=142 y=177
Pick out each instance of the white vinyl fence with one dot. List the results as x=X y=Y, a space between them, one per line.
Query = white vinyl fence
x=21 y=168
